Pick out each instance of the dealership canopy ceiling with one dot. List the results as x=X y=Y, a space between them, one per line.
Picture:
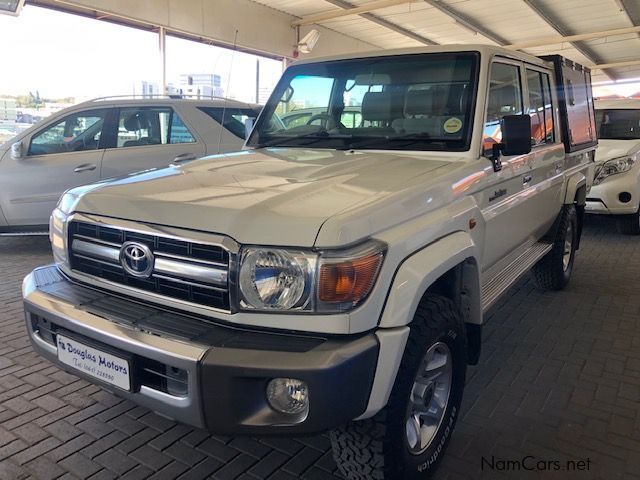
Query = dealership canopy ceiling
x=400 y=23
x=603 y=34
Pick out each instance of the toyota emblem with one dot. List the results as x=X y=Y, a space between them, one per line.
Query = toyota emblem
x=136 y=259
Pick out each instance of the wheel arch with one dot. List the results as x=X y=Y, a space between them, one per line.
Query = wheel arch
x=448 y=267
x=576 y=195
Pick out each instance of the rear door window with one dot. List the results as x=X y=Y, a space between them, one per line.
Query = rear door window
x=540 y=108
x=179 y=133
x=142 y=126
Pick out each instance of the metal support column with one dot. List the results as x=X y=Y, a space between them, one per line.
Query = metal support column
x=162 y=38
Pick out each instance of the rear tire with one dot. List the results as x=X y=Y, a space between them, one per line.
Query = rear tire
x=629 y=224
x=395 y=444
x=553 y=271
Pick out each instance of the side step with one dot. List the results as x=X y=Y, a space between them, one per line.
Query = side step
x=24 y=234
x=503 y=280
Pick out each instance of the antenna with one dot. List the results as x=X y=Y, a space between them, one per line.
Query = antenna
x=224 y=105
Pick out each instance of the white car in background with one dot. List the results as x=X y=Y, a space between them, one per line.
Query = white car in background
x=106 y=138
x=616 y=186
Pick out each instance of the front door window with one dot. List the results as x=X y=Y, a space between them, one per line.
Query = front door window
x=505 y=98
x=75 y=133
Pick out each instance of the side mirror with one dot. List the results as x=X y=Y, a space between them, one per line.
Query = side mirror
x=516 y=138
x=286 y=96
x=17 y=150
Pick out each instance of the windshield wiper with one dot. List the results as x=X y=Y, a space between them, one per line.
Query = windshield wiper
x=310 y=138
x=409 y=138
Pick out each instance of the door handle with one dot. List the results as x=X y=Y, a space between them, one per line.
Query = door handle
x=85 y=167
x=185 y=157
x=526 y=179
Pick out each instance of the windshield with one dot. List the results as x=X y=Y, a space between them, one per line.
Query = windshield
x=417 y=102
x=618 y=124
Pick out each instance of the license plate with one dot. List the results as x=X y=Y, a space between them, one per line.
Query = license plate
x=96 y=363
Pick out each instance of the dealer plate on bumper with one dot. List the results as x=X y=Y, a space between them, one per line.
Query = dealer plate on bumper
x=101 y=365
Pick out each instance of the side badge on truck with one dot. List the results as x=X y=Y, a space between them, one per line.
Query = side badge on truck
x=497 y=194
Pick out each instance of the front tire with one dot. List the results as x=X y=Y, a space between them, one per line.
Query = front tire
x=553 y=271
x=406 y=440
x=629 y=224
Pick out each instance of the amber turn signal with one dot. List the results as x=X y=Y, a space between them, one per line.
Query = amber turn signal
x=350 y=280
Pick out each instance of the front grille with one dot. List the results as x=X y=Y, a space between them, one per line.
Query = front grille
x=184 y=270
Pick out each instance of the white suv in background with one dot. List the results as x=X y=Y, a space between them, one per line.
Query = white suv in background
x=106 y=138
x=616 y=187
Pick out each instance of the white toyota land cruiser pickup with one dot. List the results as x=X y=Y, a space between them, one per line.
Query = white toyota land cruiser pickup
x=333 y=275
x=616 y=187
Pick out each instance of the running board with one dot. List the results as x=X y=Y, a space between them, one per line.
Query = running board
x=24 y=234
x=503 y=280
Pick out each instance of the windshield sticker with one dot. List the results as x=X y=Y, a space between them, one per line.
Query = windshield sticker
x=452 y=125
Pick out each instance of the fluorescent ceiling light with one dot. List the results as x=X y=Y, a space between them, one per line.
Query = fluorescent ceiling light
x=11 y=7
x=309 y=41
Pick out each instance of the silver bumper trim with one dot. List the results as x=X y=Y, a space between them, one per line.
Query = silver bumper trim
x=168 y=351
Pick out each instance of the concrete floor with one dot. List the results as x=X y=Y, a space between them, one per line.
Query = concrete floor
x=559 y=380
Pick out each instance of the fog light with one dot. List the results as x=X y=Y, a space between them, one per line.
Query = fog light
x=624 y=197
x=288 y=395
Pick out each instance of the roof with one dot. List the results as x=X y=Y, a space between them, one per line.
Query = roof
x=618 y=103
x=402 y=24
x=167 y=100
x=483 y=49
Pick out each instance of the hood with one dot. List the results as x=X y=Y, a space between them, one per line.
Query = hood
x=272 y=197
x=608 y=149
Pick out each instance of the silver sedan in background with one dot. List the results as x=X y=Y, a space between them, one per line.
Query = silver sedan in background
x=106 y=138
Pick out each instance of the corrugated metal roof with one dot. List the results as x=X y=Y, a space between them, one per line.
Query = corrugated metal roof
x=512 y=20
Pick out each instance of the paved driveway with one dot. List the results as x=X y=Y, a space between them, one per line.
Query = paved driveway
x=559 y=380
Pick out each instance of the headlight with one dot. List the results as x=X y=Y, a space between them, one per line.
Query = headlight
x=613 y=167
x=275 y=279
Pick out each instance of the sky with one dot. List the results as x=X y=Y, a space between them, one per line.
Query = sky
x=64 y=55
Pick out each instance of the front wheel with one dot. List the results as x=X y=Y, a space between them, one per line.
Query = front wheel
x=553 y=271
x=406 y=440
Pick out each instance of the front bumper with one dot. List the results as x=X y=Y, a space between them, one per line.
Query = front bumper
x=605 y=197
x=200 y=372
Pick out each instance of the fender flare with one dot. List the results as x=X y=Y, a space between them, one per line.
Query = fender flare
x=574 y=183
x=420 y=270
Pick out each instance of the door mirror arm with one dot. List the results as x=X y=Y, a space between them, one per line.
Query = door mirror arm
x=496 y=153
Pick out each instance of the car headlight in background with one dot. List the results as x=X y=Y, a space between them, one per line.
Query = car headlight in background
x=275 y=279
x=613 y=167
